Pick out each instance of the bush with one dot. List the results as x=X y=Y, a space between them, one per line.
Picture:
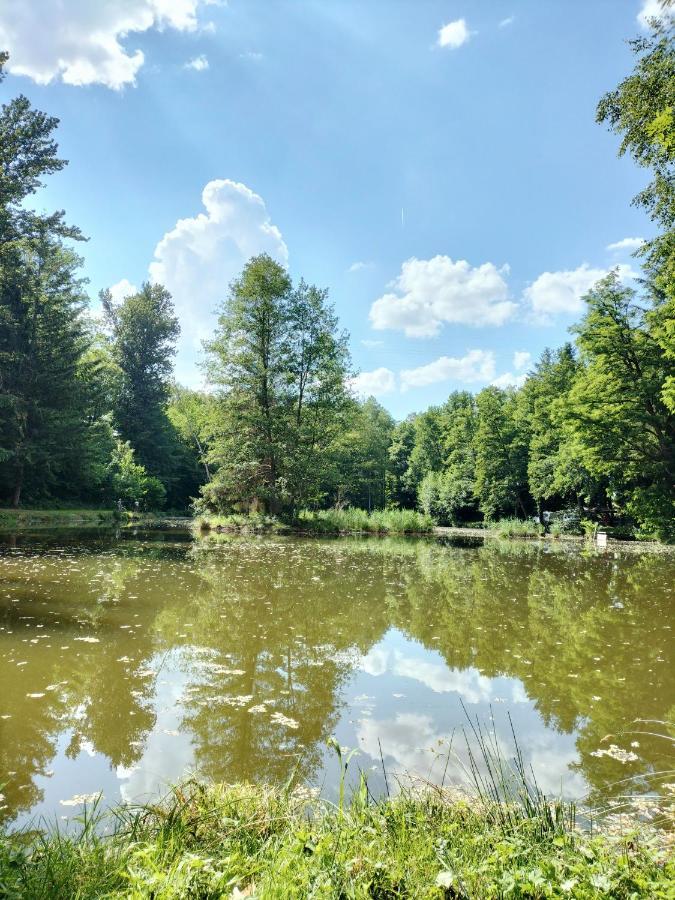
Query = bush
x=130 y=482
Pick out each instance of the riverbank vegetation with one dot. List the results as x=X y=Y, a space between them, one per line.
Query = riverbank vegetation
x=246 y=841
x=350 y=520
x=90 y=413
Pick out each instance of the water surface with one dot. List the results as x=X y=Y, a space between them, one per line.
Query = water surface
x=128 y=662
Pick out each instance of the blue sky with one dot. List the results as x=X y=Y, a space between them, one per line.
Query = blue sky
x=436 y=165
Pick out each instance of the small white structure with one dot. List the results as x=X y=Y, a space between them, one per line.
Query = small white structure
x=601 y=538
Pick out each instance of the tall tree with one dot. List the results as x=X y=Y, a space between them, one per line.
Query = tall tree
x=144 y=330
x=41 y=297
x=280 y=365
x=501 y=454
x=619 y=424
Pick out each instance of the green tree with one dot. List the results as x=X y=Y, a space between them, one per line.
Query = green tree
x=280 y=365
x=400 y=491
x=362 y=456
x=129 y=480
x=41 y=298
x=501 y=454
x=618 y=422
x=144 y=330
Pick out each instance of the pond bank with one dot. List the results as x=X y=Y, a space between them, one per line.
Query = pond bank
x=246 y=841
x=33 y=519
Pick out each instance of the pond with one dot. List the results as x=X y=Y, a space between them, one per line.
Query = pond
x=128 y=661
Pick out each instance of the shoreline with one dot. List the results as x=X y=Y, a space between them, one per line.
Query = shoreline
x=242 y=840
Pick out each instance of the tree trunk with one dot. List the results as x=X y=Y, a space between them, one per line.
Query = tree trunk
x=18 y=484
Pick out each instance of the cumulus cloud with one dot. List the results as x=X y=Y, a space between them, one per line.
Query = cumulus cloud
x=555 y=293
x=376 y=383
x=521 y=360
x=86 y=41
x=199 y=256
x=358 y=265
x=429 y=292
x=122 y=289
x=628 y=243
x=508 y=379
x=454 y=34
x=653 y=9
x=199 y=63
x=476 y=365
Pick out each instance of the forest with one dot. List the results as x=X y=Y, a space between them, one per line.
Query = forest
x=90 y=413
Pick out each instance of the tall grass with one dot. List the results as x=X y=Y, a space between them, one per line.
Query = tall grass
x=355 y=521
x=515 y=528
x=244 y=841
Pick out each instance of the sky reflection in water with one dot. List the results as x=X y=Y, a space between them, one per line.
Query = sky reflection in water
x=126 y=664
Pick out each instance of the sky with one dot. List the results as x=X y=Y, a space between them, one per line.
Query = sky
x=435 y=164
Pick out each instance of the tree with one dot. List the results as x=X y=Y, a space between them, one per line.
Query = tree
x=280 y=365
x=457 y=484
x=362 y=456
x=617 y=419
x=144 y=331
x=130 y=482
x=501 y=454
x=554 y=472
x=400 y=491
x=41 y=344
x=642 y=110
x=41 y=297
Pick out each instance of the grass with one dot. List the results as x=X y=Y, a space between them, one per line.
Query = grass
x=329 y=521
x=238 y=522
x=359 y=521
x=249 y=841
x=22 y=519
x=509 y=528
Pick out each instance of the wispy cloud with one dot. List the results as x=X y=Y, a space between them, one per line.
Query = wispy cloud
x=358 y=265
x=509 y=20
x=628 y=243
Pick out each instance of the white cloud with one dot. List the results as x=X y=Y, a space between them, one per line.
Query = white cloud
x=251 y=55
x=509 y=20
x=199 y=63
x=85 y=41
x=454 y=34
x=653 y=9
x=199 y=256
x=521 y=360
x=628 y=243
x=554 y=293
x=358 y=265
x=429 y=292
x=376 y=383
x=508 y=379
x=476 y=365
x=371 y=344
x=122 y=289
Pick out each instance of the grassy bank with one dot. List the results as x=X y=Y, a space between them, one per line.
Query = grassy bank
x=330 y=521
x=31 y=519
x=244 y=841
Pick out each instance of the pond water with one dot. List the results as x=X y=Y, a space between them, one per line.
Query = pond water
x=129 y=661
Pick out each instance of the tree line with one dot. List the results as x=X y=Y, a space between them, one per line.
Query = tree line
x=89 y=410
